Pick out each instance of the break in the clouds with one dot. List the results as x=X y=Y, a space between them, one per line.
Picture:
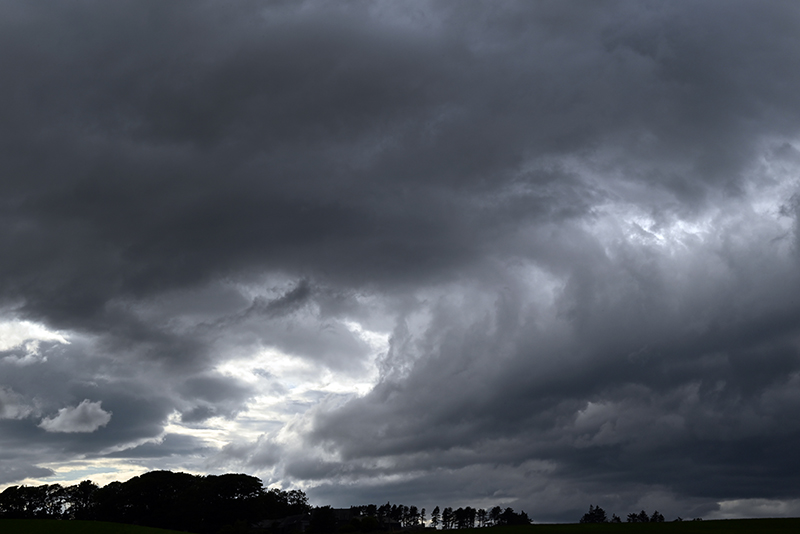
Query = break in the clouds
x=534 y=254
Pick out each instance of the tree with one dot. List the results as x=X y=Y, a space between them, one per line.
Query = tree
x=13 y=503
x=656 y=517
x=523 y=519
x=460 y=518
x=404 y=515
x=412 y=515
x=80 y=500
x=494 y=515
x=53 y=501
x=435 y=518
x=509 y=517
x=178 y=501
x=594 y=515
x=110 y=503
x=482 y=517
x=471 y=514
x=298 y=502
x=384 y=513
x=447 y=518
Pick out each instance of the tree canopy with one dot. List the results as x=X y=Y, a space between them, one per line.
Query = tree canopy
x=163 y=499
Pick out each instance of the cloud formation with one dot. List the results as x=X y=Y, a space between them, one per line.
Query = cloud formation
x=535 y=255
x=85 y=417
x=12 y=405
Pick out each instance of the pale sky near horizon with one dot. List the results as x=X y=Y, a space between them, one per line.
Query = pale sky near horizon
x=456 y=253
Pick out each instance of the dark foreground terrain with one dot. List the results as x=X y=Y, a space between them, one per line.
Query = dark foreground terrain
x=740 y=526
x=54 y=526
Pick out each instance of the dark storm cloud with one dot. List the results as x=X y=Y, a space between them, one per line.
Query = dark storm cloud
x=177 y=165
x=692 y=400
x=515 y=187
x=215 y=395
x=203 y=151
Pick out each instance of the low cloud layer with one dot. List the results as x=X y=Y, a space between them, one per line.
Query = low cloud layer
x=541 y=255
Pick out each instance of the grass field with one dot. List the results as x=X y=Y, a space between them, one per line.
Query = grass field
x=52 y=526
x=739 y=526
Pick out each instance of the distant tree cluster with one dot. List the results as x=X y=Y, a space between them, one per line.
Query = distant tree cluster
x=470 y=517
x=365 y=518
x=179 y=501
x=386 y=514
x=598 y=515
x=642 y=517
x=389 y=516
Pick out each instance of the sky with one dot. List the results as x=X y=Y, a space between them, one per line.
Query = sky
x=455 y=253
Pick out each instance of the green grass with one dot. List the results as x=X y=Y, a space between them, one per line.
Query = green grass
x=739 y=526
x=53 y=526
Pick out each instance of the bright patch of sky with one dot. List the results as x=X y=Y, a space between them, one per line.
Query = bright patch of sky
x=15 y=334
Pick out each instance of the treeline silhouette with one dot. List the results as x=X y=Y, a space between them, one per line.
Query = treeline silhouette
x=228 y=504
x=178 y=501
x=470 y=517
x=366 y=516
x=598 y=515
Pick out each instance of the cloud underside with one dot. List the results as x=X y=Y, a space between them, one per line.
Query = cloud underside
x=534 y=255
x=85 y=417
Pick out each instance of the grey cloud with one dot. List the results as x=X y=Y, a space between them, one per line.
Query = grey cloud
x=575 y=223
x=259 y=454
x=217 y=395
x=299 y=322
x=15 y=473
x=76 y=372
x=291 y=210
x=13 y=405
x=284 y=304
x=85 y=417
x=214 y=388
x=599 y=395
